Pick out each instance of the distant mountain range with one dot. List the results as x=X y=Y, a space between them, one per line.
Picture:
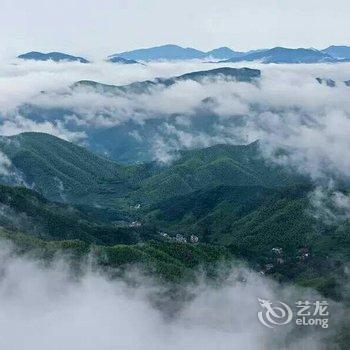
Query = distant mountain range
x=119 y=142
x=175 y=52
x=284 y=55
x=52 y=56
x=340 y=52
x=332 y=54
x=117 y=59
x=130 y=141
x=237 y=74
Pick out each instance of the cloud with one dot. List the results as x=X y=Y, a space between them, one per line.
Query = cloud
x=5 y=164
x=329 y=205
x=314 y=143
x=287 y=109
x=19 y=124
x=50 y=309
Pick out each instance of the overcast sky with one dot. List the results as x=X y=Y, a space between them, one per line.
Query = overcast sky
x=96 y=28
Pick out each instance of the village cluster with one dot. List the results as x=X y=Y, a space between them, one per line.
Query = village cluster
x=278 y=258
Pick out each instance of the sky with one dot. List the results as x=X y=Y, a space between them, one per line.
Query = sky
x=96 y=28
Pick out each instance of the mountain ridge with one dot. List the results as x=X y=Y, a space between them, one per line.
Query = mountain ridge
x=175 y=52
x=296 y=55
x=225 y=196
x=239 y=74
x=286 y=55
x=52 y=56
x=63 y=171
x=338 y=51
x=331 y=54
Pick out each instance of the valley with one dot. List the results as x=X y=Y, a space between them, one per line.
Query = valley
x=228 y=197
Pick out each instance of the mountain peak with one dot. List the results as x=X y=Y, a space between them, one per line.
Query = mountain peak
x=223 y=52
x=339 y=52
x=121 y=60
x=51 y=56
x=163 y=52
x=176 y=52
x=286 y=55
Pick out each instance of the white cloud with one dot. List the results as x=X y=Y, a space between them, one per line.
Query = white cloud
x=5 y=164
x=287 y=109
x=49 y=309
x=329 y=205
x=19 y=124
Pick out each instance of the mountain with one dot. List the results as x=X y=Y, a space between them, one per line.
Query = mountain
x=175 y=52
x=253 y=220
x=218 y=165
x=223 y=52
x=285 y=55
x=327 y=82
x=27 y=211
x=169 y=263
x=121 y=60
x=45 y=229
x=237 y=74
x=63 y=171
x=227 y=196
x=164 y=52
x=130 y=141
x=247 y=210
x=52 y=56
x=249 y=223
x=274 y=55
x=332 y=83
x=340 y=52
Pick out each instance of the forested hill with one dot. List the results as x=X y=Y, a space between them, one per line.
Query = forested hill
x=63 y=171
x=223 y=196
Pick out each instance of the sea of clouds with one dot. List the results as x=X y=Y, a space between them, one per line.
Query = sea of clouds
x=287 y=108
x=43 y=308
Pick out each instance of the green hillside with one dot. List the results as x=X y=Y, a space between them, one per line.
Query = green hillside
x=253 y=220
x=168 y=262
x=210 y=207
x=23 y=210
x=63 y=171
x=226 y=195
x=214 y=166
x=231 y=223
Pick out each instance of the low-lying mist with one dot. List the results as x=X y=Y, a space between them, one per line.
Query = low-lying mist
x=47 y=307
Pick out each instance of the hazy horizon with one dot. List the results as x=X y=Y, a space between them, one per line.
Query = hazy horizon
x=95 y=29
